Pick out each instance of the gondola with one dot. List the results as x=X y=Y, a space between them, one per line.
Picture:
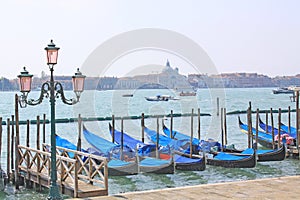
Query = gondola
x=223 y=159
x=147 y=164
x=265 y=140
x=182 y=161
x=289 y=137
x=203 y=145
x=229 y=160
x=116 y=166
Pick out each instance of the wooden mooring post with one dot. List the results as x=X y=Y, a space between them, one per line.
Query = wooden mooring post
x=192 y=133
x=199 y=125
x=222 y=131
x=8 y=165
x=279 y=122
x=272 y=125
x=157 y=137
x=113 y=128
x=171 y=125
x=256 y=128
x=143 y=127
x=289 y=119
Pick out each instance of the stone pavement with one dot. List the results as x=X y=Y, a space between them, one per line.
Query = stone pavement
x=282 y=188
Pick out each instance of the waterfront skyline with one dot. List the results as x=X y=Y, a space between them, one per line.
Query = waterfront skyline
x=249 y=36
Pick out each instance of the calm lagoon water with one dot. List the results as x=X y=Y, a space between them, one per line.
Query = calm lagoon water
x=106 y=103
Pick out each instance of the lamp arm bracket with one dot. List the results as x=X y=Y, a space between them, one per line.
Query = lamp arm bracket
x=44 y=94
x=60 y=93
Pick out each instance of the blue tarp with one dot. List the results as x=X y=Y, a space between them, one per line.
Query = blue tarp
x=178 y=145
x=183 y=159
x=117 y=163
x=227 y=156
x=61 y=142
x=261 y=135
x=153 y=162
x=286 y=129
x=142 y=148
x=180 y=136
x=106 y=147
x=283 y=131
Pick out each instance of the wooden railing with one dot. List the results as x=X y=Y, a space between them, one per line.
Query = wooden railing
x=91 y=168
x=72 y=170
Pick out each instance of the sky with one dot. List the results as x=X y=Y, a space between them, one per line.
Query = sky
x=260 y=36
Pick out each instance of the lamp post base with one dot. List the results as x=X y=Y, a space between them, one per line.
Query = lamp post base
x=54 y=193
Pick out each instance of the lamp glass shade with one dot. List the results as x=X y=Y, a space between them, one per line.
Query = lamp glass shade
x=78 y=84
x=78 y=81
x=52 y=53
x=52 y=56
x=25 y=84
x=25 y=80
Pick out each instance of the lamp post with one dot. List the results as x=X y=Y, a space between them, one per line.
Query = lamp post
x=51 y=89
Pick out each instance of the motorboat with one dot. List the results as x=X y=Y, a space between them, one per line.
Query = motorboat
x=161 y=98
x=283 y=90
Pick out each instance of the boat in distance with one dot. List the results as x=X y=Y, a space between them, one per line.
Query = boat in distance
x=283 y=90
x=161 y=98
x=127 y=95
x=182 y=93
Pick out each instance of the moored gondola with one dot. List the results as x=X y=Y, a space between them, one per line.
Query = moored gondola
x=182 y=161
x=265 y=140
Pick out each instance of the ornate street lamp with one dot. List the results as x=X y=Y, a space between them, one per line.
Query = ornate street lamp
x=51 y=89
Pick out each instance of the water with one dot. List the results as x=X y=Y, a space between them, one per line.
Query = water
x=106 y=103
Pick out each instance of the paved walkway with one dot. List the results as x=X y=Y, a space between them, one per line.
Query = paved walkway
x=282 y=188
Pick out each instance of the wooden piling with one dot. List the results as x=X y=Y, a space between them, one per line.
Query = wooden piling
x=122 y=138
x=289 y=119
x=199 y=125
x=44 y=128
x=225 y=126
x=256 y=128
x=8 y=168
x=113 y=128
x=17 y=141
x=279 y=121
x=249 y=127
x=192 y=130
x=267 y=121
x=272 y=125
x=222 y=131
x=218 y=106
x=297 y=120
x=0 y=141
x=12 y=147
x=79 y=133
x=38 y=146
x=143 y=127
x=171 y=125
x=157 y=136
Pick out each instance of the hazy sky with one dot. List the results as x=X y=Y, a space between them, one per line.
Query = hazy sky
x=238 y=35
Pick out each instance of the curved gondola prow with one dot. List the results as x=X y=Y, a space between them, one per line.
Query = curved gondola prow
x=240 y=122
x=260 y=121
